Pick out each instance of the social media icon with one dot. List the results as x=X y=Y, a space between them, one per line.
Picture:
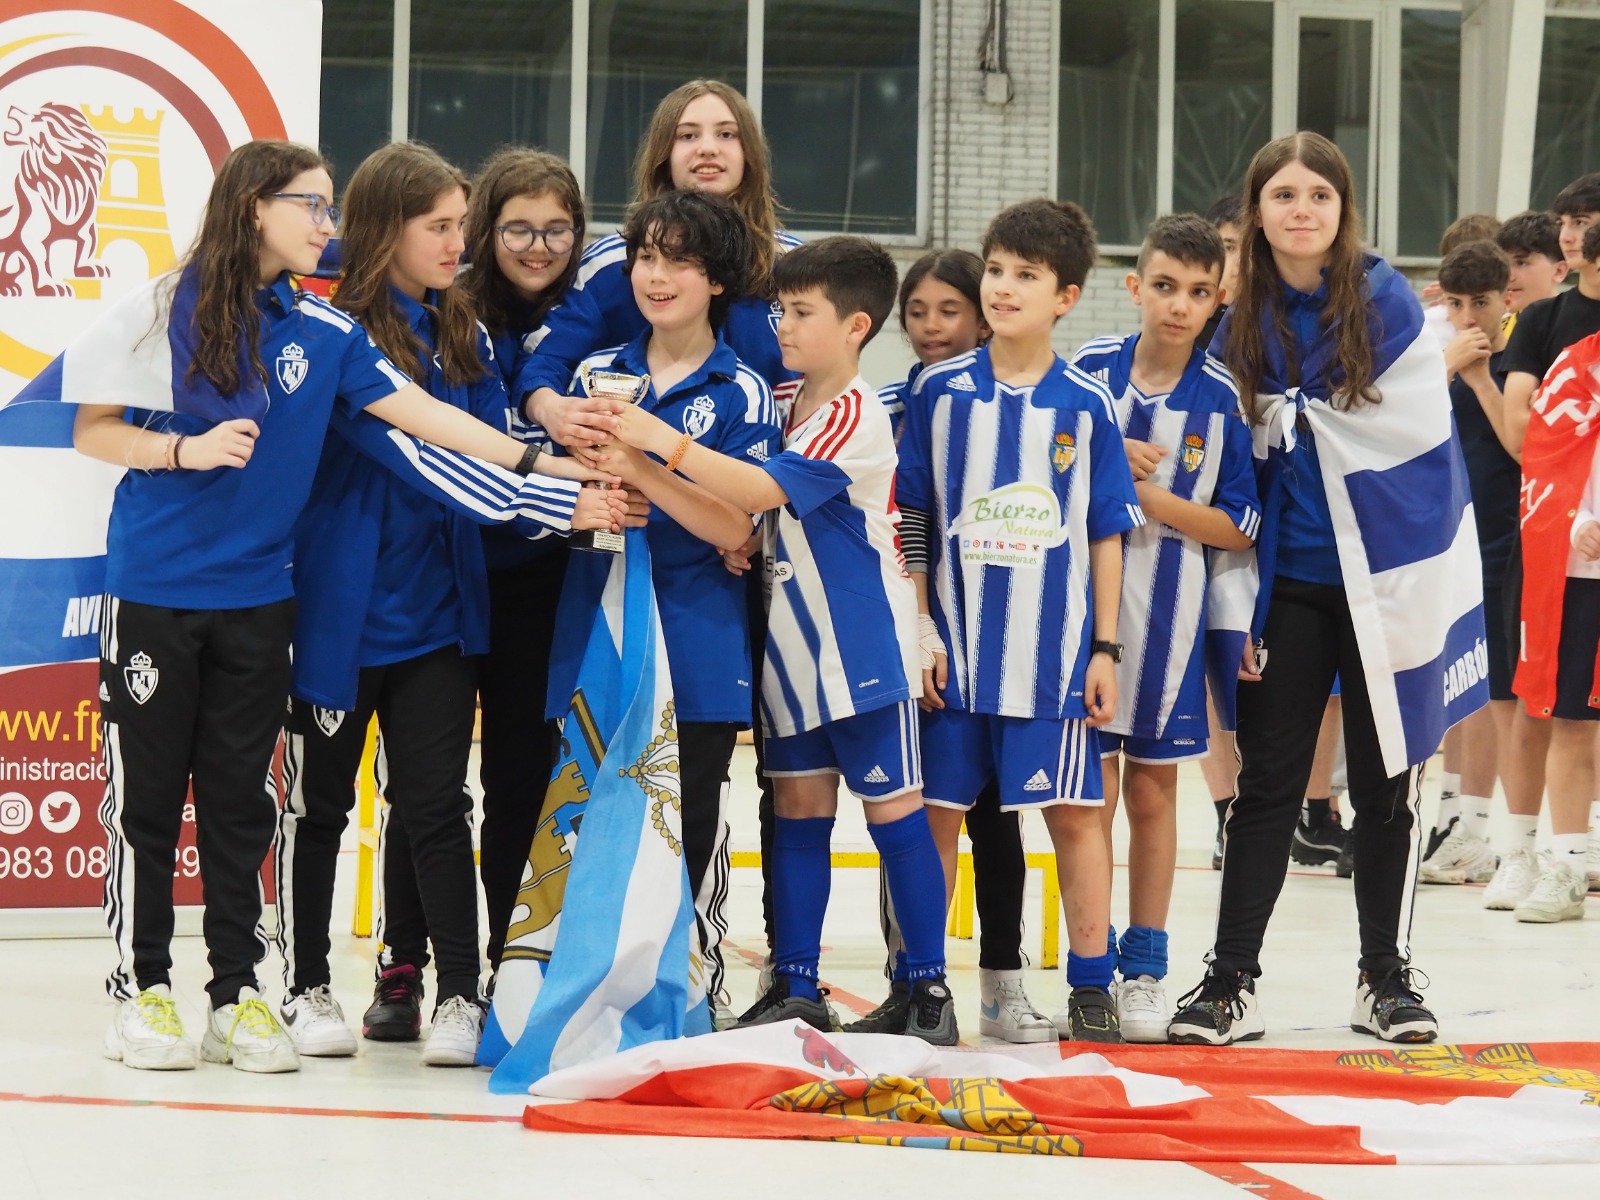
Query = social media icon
x=59 y=812
x=16 y=813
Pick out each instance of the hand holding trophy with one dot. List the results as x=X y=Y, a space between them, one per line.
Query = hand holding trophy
x=627 y=389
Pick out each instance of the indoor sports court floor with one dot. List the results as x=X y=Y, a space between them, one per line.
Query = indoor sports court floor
x=73 y=1124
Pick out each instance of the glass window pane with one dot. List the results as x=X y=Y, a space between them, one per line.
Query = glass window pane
x=1336 y=93
x=1567 y=142
x=357 y=54
x=1430 y=127
x=1108 y=114
x=486 y=74
x=840 y=110
x=1222 y=109
x=639 y=50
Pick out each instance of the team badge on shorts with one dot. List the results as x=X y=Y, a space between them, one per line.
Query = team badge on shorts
x=1194 y=452
x=1064 y=453
x=141 y=676
x=700 y=416
x=292 y=367
x=328 y=719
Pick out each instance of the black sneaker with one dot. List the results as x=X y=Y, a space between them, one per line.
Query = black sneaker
x=1220 y=1011
x=1091 y=1017
x=890 y=1016
x=1317 y=844
x=1436 y=838
x=1388 y=1007
x=395 y=1014
x=931 y=1013
x=777 y=1004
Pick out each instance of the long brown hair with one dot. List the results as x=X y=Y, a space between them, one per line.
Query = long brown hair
x=652 y=168
x=511 y=172
x=1261 y=289
x=396 y=183
x=226 y=259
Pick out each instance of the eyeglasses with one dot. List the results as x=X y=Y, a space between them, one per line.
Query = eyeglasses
x=519 y=238
x=318 y=208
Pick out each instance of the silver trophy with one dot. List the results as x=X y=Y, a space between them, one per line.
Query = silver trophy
x=608 y=385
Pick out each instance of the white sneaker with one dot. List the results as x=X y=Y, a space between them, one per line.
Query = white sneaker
x=1512 y=882
x=1142 y=1009
x=147 y=1034
x=1591 y=862
x=247 y=1035
x=1557 y=896
x=722 y=1014
x=1005 y=1011
x=1461 y=858
x=453 y=1036
x=316 y=1023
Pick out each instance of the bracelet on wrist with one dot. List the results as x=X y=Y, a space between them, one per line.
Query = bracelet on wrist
x=530 y=455
x=684 y=443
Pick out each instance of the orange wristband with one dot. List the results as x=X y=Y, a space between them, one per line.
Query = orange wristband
x=684 y=443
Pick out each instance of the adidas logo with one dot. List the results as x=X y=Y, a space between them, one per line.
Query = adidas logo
x=105 y=693
x=876 y=775
x=1040 y=782
x=961 y=383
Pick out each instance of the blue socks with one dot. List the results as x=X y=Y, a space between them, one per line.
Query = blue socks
x=1143 y=952
x=1091 y=972
x=802 y=871
x=916 y=885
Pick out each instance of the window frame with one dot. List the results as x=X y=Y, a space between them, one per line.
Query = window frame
x=755 y=55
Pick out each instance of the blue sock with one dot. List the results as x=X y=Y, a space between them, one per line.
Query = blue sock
x=911 y=863
x=900 y=969
x=1143 y=952
x=801 y=874
x=1111 y=945
x=1091 y=972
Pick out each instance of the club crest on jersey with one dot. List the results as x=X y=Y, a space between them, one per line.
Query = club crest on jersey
x=292 y=367
x=774 y=315
x=1194 y=452
x=700 y=416
x=141 y=676
x=328 y=719
x=1064 y=453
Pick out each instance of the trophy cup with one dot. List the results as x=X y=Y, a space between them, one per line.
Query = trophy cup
x=608 y=385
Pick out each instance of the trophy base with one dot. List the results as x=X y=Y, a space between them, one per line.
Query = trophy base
x=597 y=541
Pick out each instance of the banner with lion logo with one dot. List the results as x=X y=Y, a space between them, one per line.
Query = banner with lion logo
x=114 y=117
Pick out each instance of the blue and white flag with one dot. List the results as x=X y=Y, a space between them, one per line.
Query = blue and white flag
x=1230 y=607
x=601 y=954
x=1402 y=518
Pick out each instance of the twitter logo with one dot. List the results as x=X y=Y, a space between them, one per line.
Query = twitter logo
x=59 y=812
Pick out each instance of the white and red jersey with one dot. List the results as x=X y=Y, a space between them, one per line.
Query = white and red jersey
x=841 y=623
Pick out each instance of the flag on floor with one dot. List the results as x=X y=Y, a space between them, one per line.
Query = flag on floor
x=601 y=954
x=1508 y=1103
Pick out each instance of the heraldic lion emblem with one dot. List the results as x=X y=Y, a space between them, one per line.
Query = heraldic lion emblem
x=53 y=198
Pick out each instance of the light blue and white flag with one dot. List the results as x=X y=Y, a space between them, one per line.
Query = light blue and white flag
x=601 y=954
x=1230 y=605
x=1402 y=519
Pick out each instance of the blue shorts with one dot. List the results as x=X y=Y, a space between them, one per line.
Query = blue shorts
x=876 y=752
x=1155 y=751
x=1038 y=761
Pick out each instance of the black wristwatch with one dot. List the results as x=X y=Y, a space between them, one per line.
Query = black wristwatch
x=529 y=457
x=1112 y=648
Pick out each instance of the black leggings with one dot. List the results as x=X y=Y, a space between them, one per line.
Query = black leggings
x=1310 y=638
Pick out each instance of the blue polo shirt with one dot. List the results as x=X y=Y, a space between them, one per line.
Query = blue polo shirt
x=728 y=408
x=223 y=538
x=1306 y=547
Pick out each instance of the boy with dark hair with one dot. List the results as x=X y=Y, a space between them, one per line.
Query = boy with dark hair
x=1552 y=732
x=1191 y=459
x=1226 y=216
x=839 y=691
x=1015 y=491
x=1532 y=241
x=688 y=255
x=1474 y=278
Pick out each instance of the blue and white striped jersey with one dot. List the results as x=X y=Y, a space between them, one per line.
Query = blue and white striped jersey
x=1161 y=690
x=842 y=613
x=1016 y=483
x=894 y=396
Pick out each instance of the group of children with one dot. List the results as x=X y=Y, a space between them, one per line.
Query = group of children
x=977 y=593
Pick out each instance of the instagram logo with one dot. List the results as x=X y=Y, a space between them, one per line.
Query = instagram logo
x=16 y=813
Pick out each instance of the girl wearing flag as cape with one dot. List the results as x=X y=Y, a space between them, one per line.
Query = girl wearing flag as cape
x=1369 y=571
x=392 y=612
x=245 y=373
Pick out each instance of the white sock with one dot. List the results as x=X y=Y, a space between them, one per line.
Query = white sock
x=1475 y=815
x=1450 y=783
x=1594 y=818
x=1449 y=809
x=1524 y=831
x=1571 y=849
